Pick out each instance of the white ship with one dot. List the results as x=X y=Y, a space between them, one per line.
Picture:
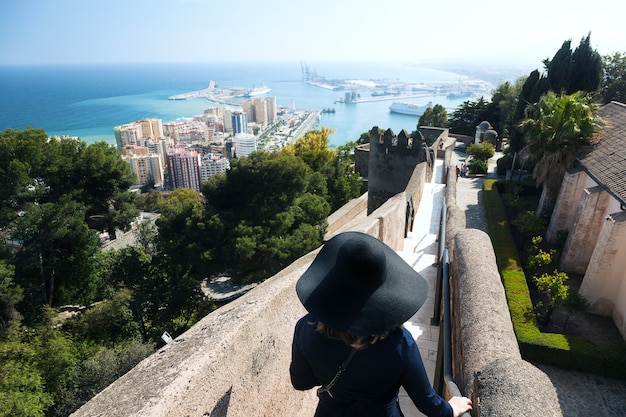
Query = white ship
x=258 y=91
x=409 y=108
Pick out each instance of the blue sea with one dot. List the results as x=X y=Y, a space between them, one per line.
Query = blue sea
x=88 y=101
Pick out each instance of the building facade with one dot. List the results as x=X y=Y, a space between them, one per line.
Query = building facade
x=239 y=122
x=245 y=144
x=591 y=209
x=213 y=164
x=183 y=169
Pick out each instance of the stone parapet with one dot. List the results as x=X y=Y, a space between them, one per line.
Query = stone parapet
x=488 y=365
x=235 y=361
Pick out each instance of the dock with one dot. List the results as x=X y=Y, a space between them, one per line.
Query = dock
x=214 y=94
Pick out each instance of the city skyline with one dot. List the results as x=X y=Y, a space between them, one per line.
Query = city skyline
x=36 y=32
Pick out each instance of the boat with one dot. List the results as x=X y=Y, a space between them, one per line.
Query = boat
x=385 y=93
x=409 y=108
x=463 y=94
x=257 y=91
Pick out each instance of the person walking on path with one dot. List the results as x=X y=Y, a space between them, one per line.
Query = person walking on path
x=358 y=292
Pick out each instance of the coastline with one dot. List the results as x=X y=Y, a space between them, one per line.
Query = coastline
x=89 y=101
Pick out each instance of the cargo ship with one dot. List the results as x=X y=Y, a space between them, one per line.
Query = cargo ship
x=409 y=108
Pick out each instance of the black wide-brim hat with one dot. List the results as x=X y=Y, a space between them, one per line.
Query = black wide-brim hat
x=358 y=285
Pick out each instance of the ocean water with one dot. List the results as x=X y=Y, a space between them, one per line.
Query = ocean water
x=88 y=101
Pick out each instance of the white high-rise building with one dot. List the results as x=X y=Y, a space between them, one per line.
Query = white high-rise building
x=128 y=134
x=212 y=164
x=245 y=144
x=271 y=108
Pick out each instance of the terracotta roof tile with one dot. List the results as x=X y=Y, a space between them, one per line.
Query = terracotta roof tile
x=606 y=161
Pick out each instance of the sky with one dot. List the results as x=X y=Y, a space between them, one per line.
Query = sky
x=144 y=31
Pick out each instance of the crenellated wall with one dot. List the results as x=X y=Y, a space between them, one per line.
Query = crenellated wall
x=392 y=159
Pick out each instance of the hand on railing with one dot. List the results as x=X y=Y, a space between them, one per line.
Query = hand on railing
x=460 y=405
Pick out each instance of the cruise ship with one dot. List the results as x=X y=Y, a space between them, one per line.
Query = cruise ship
x=409 y=108
x=258 y=91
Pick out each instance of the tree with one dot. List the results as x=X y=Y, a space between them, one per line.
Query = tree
x=586 y=68
x=342 y=181
x=63 y=192
x=580 y=70
x=436 y=116
x=557 y=129
x=56 y=261
x=554 y=287
x=94 y=175
x=559 y=68
x=313 y=149
x=22 y=387
x=10 y=296
x=260 y=201
x=469 y=115
x=503 y=101
x=149 y=201
x=529 y=226
x=614 y=78
x=532 y=89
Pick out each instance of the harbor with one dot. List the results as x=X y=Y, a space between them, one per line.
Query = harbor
x=386 y=89
x=223 y=95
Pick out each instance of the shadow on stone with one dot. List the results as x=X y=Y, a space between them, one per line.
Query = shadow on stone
x=221 y=408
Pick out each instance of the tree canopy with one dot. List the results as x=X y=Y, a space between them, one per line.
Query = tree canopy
x=56 y=196
x=556 y=130
x=270 y=208
x=469 y=115
x=436 y=116
x=614 y=78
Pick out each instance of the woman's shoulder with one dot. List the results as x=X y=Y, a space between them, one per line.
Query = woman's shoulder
x=306 y=320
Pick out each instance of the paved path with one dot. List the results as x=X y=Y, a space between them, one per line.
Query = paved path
x=580 y=395
x=420 y=251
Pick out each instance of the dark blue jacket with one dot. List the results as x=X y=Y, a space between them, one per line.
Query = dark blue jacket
x=369 y=386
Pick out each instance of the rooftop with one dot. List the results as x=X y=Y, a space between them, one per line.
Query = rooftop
x=606 y=161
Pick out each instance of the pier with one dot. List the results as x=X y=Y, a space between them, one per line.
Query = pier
x=214 y=94
x=383 y=98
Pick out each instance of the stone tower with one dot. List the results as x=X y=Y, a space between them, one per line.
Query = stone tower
x=392 y=160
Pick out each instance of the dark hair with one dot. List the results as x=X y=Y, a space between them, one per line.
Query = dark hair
x=358 y=342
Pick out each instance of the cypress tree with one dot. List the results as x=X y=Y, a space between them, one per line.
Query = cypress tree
x=559 y=68
x=586 y=72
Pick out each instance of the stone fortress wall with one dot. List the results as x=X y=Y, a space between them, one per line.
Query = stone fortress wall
x=235 y=361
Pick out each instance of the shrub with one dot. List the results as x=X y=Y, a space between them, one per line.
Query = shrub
x=563 y=351
x=477 y=166
x=482 y=151
x=503 y=164
x=529 y=225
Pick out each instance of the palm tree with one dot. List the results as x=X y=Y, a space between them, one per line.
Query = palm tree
x=557 y=129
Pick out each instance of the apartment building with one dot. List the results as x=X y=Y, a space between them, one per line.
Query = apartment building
x=245 y=144
x=183 y=169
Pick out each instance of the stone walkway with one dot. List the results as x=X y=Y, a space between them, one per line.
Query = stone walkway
x=420 y=251
x=580 y=395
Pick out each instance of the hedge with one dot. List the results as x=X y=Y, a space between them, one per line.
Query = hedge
x=563 y=351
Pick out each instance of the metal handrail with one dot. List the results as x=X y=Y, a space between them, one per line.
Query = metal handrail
x=443 y=367
x=447 y=332
x=441 y=237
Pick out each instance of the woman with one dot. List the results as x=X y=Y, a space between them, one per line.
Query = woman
x=358 y=292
